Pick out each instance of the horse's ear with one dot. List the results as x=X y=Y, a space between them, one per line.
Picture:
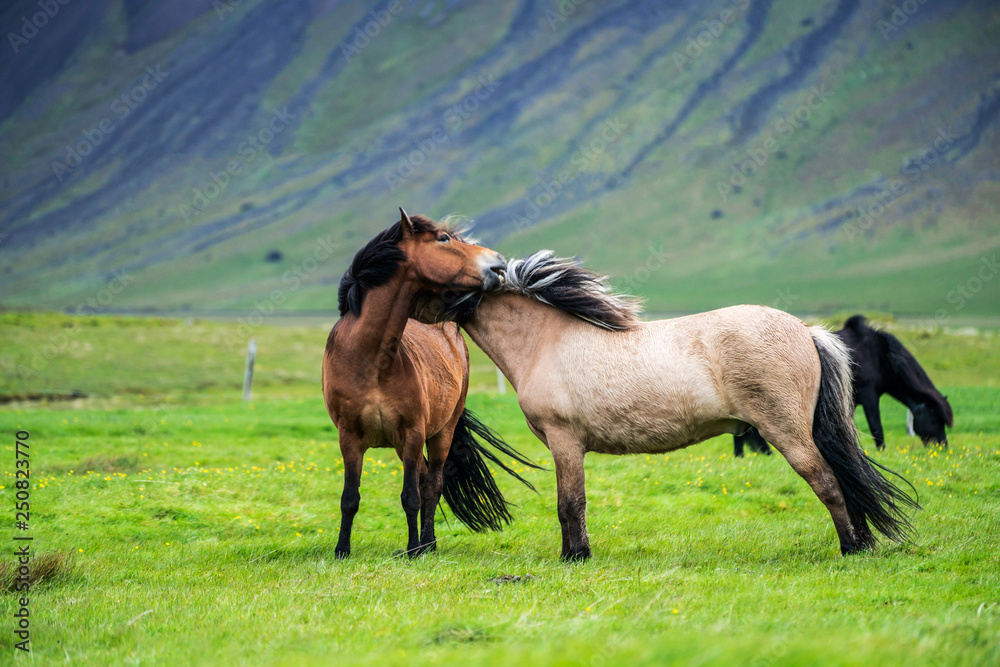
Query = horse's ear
x=405 y=223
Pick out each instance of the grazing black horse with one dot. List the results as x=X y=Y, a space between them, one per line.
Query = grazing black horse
x=882 y=366
x=753 y=438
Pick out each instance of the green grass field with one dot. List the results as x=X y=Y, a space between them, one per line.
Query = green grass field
x=175 y=524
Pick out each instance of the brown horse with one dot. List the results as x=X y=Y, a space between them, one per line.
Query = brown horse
x=591 y=377
x=393 y=382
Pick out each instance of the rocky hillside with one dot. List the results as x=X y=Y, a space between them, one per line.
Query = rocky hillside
x=231 y=155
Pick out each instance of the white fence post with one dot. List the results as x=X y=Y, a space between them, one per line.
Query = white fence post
x=501 y=383
x=248 y=375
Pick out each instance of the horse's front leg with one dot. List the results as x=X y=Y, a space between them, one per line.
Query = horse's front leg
x=868 y=398
x=567 y=454
x=350 y=500
x=413 y=463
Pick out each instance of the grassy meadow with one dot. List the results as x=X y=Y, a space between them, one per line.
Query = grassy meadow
x=175 y=524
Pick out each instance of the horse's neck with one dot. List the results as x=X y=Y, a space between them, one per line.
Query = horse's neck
x=896 y=384
x=376 y=334
x=908 y=396
x=511 y=329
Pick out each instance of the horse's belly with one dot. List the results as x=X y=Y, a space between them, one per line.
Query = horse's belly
x=654 y=437
x=654 y=414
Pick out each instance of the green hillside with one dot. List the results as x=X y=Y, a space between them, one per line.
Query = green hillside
x=816 y=156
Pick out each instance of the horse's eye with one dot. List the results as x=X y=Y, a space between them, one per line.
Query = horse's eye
x=444 y=238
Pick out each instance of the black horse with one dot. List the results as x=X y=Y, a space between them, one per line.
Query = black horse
x=882 y=366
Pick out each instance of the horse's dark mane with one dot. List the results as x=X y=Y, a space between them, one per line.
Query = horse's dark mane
x=906 y=367
x=562 y=283
x=859 y=323
x=376 y=264
x=915 y=377
x=565 y=284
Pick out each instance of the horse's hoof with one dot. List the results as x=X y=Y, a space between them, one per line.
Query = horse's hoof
x=854 y=549
x=577 y=556
x=419 y=550
x=412 y=553
x=341 y=554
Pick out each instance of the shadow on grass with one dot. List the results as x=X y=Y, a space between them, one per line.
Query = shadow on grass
x=461 y=634
x=288 y=552
x=52 y=569
x=104 y=464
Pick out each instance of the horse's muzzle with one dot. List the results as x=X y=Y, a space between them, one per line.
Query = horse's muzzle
x=493 y=274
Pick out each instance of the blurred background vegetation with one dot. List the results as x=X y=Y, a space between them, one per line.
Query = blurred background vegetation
x=231 y=157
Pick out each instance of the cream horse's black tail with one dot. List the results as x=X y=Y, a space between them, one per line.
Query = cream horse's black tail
x=872 y=500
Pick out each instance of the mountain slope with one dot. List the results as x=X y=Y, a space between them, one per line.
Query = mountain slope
x=817 y=156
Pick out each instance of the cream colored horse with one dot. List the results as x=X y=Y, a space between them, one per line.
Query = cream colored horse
x=591 y=377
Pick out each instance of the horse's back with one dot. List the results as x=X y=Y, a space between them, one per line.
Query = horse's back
x=719 y=347
x=670 y=383
x=744 y=337
x=753 y=357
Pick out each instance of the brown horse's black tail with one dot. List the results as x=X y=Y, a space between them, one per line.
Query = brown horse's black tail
x=469 y=487
x=873 y=502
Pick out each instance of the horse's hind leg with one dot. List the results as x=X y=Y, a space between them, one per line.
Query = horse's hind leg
x=350 y=500
x=802 y=454
x=431 y=485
